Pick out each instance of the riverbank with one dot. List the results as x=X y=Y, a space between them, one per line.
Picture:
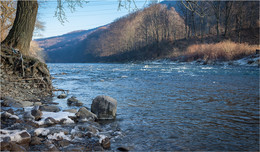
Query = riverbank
x=24 y=78
x=31 y=121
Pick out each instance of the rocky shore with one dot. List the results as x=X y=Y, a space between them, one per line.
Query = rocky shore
x=31 y=121
x=45 y=127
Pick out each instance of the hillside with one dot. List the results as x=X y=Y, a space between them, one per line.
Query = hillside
x=159 y=31
x=67 y=47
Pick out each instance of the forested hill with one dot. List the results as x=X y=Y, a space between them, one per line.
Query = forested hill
x=128 y=38
x=159 y=31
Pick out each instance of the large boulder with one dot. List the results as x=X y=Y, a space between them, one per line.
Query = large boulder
x=74 y=102
x=84 y=115
x=104 y=107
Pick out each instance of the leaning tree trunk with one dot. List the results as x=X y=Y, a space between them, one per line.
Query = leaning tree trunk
x=21 y=33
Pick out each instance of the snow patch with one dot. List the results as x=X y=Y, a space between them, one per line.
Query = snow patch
x=13 y=134
x=10 y=115
x=41 y=131
x=57 y=116
x=101 y=137
x=59 y=136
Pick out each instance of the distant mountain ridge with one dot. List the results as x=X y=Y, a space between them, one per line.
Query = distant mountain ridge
x=64 y=47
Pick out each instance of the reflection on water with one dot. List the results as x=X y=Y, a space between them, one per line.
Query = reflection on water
x=171 y=106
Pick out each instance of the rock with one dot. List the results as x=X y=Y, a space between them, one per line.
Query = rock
x=36 y=141
x=84 y=115
x=33 y=124
x=26 y=103
x=250 y=61
x=122 y=149
x=5 y=144
x=15 y=147
x=10 y=102
x=62 y=96
x=37 y=103
x=63 y=121
x=50 y=121
x=37 y=114
x=105 y=143
x=11 y=111
x=8 y=120
x=25 y=138
x=98 y=148
x=77 y=134
x=104 y=107
x=74 y=102
x=79 y=148
x=63 y=143
x=71 y=110
x=7 y=115
x=28 y=116
x=74 y=118
x=88 y=128
x=52 y=147
x=50 y=108
x=41 y=131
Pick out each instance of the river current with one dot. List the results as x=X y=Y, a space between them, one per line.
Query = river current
x=171 y=106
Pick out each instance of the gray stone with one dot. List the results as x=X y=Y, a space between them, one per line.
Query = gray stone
x=37 y=103
x=37 y=114
x=74 y=102
x=88 y=128
x=105 y=143
x=25 y=138
x=123 y=149
x=84 y=115
x=10 y=102
x=50 y=121
x=36 y=141
x=104 y=107
x=71 y=110
x=50 y=108
x=26 y=103
x=28 y=116
x=62 y=96
x=16 y=147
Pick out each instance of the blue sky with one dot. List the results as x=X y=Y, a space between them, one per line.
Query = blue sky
x=93 y=14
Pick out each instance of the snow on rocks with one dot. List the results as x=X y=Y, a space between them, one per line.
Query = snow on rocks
x=59 y=136
x=57 y=116
x=8 y=115
x=17 y=136
x=41 y=131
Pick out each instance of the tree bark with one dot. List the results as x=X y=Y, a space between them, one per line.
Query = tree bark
x=21 y=33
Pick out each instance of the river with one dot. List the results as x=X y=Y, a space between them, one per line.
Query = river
x=171 y=106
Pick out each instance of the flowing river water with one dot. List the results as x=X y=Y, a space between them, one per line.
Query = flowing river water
x=171 y=106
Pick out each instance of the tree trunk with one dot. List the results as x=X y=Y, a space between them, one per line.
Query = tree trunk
x=21 y=33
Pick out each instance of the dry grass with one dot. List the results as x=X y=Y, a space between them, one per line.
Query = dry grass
x=225 y=51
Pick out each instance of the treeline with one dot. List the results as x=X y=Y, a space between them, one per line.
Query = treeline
x=157 y=30
x=143 y=28
x=220 y=18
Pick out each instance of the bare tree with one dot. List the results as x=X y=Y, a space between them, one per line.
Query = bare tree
x=7 y=15
x=21 y=32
